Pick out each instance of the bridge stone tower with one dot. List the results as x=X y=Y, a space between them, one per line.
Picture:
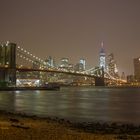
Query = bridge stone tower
x=99 y=81
x=8 y=63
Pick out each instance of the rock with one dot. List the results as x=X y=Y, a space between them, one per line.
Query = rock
x=14 y=120
x=20 y=126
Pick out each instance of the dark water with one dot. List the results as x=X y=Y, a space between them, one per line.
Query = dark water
x=77 y=104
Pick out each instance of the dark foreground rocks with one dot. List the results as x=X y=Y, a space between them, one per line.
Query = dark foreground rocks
x=21 y=126
x=104 y=128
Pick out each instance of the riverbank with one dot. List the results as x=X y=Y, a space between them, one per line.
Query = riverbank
x=23 y=127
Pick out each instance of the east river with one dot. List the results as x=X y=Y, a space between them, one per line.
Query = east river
x=88 y=104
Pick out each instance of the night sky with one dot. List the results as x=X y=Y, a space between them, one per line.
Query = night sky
x=74 y=29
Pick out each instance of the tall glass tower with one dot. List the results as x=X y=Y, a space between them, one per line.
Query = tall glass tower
x=102 y=62
x=83 y=64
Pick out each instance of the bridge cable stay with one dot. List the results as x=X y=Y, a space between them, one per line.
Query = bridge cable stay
x=113 y=78
x=29 y=57
x=91 y=69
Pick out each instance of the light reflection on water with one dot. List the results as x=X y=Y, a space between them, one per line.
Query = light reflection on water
x=77 y=103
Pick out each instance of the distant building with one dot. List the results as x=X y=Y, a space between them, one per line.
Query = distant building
x=112 y=66
x=64 y=63
x=130 y=79
x=102 y=61
x=50 y=62
x=82 y=63
x=70 y=67
x=79 y=67
x=137 y=68
x=123 y=76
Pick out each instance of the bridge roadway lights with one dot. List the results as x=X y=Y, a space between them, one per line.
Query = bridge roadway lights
x=99 y=81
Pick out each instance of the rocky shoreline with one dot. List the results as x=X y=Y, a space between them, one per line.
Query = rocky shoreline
x=18 y=125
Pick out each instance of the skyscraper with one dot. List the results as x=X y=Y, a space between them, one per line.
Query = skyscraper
x=50 y=62
x=102 y=62
x=137 y=68
x=112 y=66
x=82 y=62
x=64 y=64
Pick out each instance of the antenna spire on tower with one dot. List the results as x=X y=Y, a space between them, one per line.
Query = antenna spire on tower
x=102 y=44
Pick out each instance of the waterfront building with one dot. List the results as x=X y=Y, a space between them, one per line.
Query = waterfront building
x=137 y=68
x=102 y=61
x=130 y=79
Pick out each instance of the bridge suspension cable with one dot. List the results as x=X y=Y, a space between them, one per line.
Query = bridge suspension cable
x=26 y=55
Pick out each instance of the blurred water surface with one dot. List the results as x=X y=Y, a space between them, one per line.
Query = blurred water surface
x=77 y=103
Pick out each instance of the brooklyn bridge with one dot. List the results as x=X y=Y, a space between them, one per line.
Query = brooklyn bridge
x=19 y=67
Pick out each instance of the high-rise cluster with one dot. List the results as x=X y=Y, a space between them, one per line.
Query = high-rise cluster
x=66 y=65
x=108 y=62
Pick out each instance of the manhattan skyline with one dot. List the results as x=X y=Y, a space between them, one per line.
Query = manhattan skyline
x=74 y=29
